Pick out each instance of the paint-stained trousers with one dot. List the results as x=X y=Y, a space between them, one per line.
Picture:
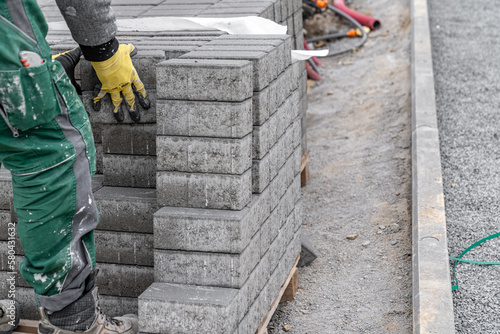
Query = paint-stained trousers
x=52 y=165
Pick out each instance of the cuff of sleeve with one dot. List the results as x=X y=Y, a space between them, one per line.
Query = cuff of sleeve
x=100 y=52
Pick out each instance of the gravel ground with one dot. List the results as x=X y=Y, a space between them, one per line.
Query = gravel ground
x=466 y=59
x=359 y=132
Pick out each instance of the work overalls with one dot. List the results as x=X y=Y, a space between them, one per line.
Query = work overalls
x=46 y=142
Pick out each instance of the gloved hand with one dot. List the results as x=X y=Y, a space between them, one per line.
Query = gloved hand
x=118 y=76
x=69 y=60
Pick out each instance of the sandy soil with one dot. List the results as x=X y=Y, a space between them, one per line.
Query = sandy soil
x=359 y=132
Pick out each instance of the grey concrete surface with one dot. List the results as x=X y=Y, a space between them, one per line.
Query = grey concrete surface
x=205 y=80
x=222 y=231
x=465 y=54
x=204 y=155
x=204 y=119
x=432 y=302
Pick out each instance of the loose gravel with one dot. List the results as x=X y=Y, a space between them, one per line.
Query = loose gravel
x=357 y=206
x=466 y=60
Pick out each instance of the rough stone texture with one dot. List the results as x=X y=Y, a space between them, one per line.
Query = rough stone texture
x=5 y=220
x=260 y=174
x=207 y=269
x=205 y=80
x=137 y=139
x=262 y=64
x=262 y=140
x=204 y=119
x=126 y=209
x=5 y=189
x=175 y=308
x=123 y=280
x=204 y=155
x=208 y=230
x=129 y=171
x=124 y=248
x=214 y=191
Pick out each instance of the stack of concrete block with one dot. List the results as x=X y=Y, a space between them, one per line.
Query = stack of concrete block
x=228 y=125
x=215 y=161
x=5 y=223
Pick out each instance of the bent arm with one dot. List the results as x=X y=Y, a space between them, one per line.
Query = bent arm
x=92 y=25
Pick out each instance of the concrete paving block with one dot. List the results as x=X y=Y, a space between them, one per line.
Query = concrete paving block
x=126 y=209
x=296 y=133
x=304 y=144
x=278 y=17
x=273 y=59
x=209 y=191
x=285 y=13
x=173 y=52
x=209 y=230
x=204 y=155
x=205 y=79
x=144 y=62
x=289 y=25
x=123 y=280
x=280 y=183
x=262 y=140
x=298 y=67
x=183 y=309
x=296 y=5
x=26 y=299
x=97 y=132
x=257 y=312
x=299 y=41
x=5 y=286
x=303 y=84
x=297 y=158
x=97 y=182
x=281 y=151
x=285 y=48
x=116 y=306
x=204 y=119
x=262 y=64
x=260 y=174
x=128 y=139
x=243 y=325
x=297 y=20
x=5 y=223
x=105 y=115
x=280 y=90
x=124 y=248
x=207 y=269
x=261 y=105
x=129 y=171
x=5 y=189
x=99 y=155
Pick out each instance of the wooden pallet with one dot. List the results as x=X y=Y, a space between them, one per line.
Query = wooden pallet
x=27 y=327
x=304 y=169
x=287 y=292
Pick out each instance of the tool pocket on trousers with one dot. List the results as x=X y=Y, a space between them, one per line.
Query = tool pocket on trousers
x=28 y=96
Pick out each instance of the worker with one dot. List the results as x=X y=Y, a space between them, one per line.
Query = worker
x=46 y=142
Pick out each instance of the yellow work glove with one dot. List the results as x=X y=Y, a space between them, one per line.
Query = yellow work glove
x=118 y=77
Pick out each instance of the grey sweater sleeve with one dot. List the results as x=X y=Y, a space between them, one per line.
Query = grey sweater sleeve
x=91 y=22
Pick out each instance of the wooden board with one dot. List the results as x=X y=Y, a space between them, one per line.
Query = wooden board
x=263 y=325
x=305 y=175
x=292 y=287
x=26 y=327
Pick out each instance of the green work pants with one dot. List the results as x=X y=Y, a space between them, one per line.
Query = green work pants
x=46 y=142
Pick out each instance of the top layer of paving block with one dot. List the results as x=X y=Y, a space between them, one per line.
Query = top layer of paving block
x=205 y=80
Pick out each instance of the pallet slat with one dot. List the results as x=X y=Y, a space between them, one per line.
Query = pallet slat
x=305 y=175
